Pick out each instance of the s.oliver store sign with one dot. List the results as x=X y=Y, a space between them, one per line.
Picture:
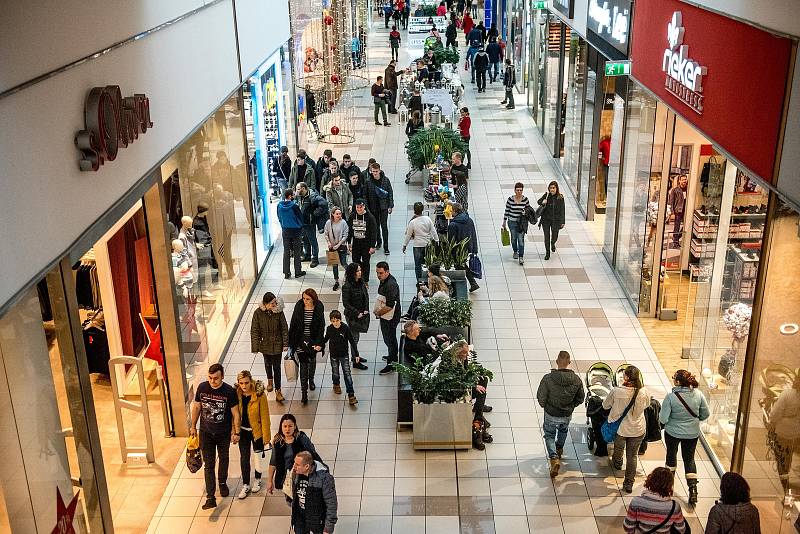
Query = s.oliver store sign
x=725 y=77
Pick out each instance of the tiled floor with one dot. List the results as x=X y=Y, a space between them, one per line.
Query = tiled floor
x=522 y=318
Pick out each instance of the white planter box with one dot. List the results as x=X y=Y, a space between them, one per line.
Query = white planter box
x=443 y=426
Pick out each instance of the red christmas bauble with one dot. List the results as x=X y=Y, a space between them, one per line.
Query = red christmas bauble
x=334 y=78
x=328 y=20
x=331 y=103
x=335 y=130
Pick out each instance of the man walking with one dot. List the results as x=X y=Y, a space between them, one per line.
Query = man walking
x=450 y=35
x=509 y=80
x=312 y=208
x=388 y=311
x=291 y=221
x=493 y=51
x=475 y=40
x=461 y=227
x=394 y=42
x=314 y=502
x=481 y=62
x=216 y=405
x=391 y=85
x=303 y=170
x=380 y=201
x=361 y=239
x=419 y=232
x=559 y=393
x=379 y=97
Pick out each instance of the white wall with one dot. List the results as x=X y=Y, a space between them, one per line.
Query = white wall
x=187 y=70
x=263 y=26
x=782 y=16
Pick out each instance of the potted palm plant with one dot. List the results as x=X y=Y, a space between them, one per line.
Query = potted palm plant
x=449 y=255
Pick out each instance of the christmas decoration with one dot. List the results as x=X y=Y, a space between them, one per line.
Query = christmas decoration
x=335 y=78
x=328 y=20
x=335 y=130
x=737 y=320
x=331 y=103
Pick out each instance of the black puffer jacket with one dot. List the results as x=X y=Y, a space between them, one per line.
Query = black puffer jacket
x=375 y=203
x=560 y=392
x=296 y=338
x=321 y=503
x=553 y=211
x=355 y=299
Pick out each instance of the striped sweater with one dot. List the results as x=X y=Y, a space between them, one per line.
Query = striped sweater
x=648 y=511
x=514 y=209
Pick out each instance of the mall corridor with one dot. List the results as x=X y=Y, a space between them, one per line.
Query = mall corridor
x=523 y=316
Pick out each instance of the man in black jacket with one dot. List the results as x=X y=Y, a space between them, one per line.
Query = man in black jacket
x=314 y=503
x=390 y=82
x=493 y=50
x=481 y=62
x=460 y=227
x=361 y=239
x=282 y=169
x=312 y=208
x=509 y=80
x=320 y=168
x=348 y=167
x=389 y=313
x=559 y=393
x=380 y=201
x=450 y=34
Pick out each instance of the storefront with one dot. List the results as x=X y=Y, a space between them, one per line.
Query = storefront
x=268 y=98
x=704 y=242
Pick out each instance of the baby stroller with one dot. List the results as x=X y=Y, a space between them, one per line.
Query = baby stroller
x=599 y=381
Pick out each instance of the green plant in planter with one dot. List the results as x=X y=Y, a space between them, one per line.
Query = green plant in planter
x=441 y=54
x=448 y=253
x=441 y=312
x=421 y=149
x=429 y=11
x=460 y=313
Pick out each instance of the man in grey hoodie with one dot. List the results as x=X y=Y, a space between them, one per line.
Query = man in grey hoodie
x=314 y=503
x=559 y=393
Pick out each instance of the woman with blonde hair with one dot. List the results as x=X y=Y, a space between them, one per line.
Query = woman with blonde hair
x=254 y=410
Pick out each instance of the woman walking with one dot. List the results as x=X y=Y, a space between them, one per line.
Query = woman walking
x=336 y=231
x=355 y=299
x=681 y=413
x=269 y=335
x=655 y=511
x=552 y=217
x=289 y=441
x=733 y=513
x=627 y=402
x=306 y=332
x=254 y=409
x=512 y=220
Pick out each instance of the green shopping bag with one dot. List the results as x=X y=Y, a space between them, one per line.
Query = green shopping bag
x=505 y=237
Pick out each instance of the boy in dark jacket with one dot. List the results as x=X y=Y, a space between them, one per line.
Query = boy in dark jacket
x=314 y=503
x=380 y=201
x=361 y=239
x=338 y=336
x=559 y=393
x=460 y=227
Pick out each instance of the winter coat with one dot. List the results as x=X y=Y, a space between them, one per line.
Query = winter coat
x=269 y=332
x=355 y=299
x=257 y=412
x=493 y=51
x=338 y=340
x=309 y=176
x=412 y=127
x=462 y=226
x=481 y=60
x=420 y=232
x=742 y=518
x=652 y=424
x=634 y=424
x=320 y=501
x=415 y=104
x=340 y=198
x=278 y=458
x=390 y=78
x=312 y=207
x=289 y=215
x=451 y=32
x=560 y=392
x=510 y=77
x=346 y=172
x=371 y=231
x=475 y=38
x=376 y=204
x=296 y=340
x=553 y=211
x=677 y=421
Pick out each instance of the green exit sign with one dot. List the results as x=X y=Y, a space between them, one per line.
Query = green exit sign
x=618 y=68
x=538 y=5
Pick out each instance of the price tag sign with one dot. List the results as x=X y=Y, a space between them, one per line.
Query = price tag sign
x=618 y=68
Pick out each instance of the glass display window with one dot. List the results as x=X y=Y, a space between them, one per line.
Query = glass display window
x=575 y=78
x=553 y=96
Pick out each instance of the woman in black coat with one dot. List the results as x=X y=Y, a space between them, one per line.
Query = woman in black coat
x=355 y=299
x=306 y=332
x=289 y=441
x=551 y=218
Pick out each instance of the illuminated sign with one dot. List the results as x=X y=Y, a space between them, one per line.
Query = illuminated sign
x=684 y=75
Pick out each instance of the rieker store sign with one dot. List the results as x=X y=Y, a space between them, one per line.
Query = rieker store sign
x=725 y=77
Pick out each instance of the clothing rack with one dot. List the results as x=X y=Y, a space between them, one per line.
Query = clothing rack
x=87 y=285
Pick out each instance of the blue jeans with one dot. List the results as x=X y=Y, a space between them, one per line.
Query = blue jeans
x=555 y=433
x=346 y=371
x=494 y=71
x=310 y=245
x=419 y=257
x=517 y=238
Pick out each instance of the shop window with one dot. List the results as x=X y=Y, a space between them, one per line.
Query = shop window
x=612 y=120
x=575 y=69
x=772 y=437
x=553 y=95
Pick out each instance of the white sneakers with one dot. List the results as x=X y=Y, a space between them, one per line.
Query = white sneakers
x=247 y=489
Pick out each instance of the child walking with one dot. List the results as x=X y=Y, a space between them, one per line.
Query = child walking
x=339 y=335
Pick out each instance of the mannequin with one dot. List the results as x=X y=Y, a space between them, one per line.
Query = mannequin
x=186 y=235
x=182 y=268
x=205 y=256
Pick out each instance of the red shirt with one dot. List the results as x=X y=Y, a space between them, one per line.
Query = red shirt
x=605 y=150
x=467 y=24
x=464 y=124
x=441 y=11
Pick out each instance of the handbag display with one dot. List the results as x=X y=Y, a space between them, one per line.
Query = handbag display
x=475 y=266
x=505 y=237
x=290 y=368
x=609 y=428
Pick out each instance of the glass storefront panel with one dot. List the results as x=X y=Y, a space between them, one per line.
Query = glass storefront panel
x=772 y=437
x=575 y=70
x=206 y=183
x=588 y=152
x=552 y=99
x=516 y=44
x=612 y=120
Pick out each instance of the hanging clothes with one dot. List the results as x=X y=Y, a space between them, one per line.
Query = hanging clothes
x=95 y=341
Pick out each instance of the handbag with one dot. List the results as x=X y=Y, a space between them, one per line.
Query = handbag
x=691 y=412
x=288 y=487
x=475 y=266
x=333 y=257
x=194 y=460
x=381 y=192
x=505 y=237
x=609 y=428
x=290 y=368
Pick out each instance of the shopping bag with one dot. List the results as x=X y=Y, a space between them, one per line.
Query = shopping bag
x=287 y=485
x=505 y=237
x=333 y=257
x=194 y=460
x=290 y=368
x=475 y=266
